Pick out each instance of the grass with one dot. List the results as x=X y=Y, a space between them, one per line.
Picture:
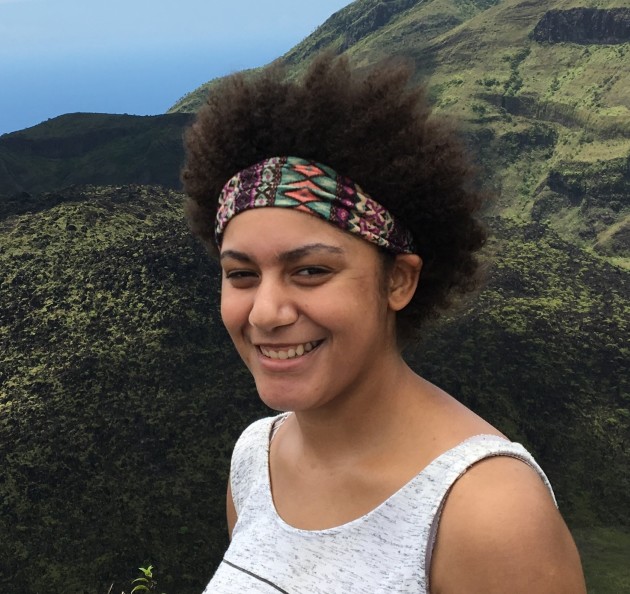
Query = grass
x=605 y=552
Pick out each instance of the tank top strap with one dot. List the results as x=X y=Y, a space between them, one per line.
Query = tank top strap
x=249 y=466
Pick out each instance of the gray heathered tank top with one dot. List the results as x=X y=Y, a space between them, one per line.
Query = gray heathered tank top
x=387 y=550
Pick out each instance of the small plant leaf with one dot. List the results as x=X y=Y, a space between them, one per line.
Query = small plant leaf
x=139 y=589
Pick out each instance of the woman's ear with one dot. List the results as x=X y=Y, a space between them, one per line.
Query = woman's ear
x=403 y=280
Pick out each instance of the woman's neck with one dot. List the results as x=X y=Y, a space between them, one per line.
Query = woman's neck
x=363 y=422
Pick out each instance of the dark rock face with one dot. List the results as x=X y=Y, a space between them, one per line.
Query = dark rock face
x=584 y=26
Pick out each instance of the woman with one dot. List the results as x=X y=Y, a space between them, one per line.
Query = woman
x=344 y=218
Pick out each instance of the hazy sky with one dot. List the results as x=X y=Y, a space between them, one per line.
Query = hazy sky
x=135 y=56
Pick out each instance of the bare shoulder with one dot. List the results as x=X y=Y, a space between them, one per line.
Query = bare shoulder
x=501 y=532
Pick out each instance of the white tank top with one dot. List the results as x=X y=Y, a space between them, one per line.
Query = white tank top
x=387 y=550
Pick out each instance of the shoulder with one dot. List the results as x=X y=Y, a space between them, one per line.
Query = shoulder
x=501 y=531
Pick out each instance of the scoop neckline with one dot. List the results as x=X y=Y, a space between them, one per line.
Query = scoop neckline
x=346 y=525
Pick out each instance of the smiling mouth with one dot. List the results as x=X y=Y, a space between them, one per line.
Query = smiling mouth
x=292 y=352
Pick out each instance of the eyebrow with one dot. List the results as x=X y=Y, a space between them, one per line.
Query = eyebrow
x=288 y=256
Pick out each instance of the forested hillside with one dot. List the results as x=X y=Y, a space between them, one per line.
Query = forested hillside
x=122 y=396
x=89 y=148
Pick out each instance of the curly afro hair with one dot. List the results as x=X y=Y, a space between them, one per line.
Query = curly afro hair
x=370 y=125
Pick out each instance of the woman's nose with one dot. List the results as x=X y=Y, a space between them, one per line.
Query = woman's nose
x=272 y=306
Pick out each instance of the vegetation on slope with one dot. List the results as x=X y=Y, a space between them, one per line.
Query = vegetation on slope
x=604 y=553
x=120 y=395
x=543 y=353
x=85 y=148
x=116 y=386
x=559 y=108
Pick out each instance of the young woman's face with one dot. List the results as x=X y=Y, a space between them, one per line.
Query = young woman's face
x=305 y=306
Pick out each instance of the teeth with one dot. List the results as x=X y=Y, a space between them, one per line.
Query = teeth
x=291 y=352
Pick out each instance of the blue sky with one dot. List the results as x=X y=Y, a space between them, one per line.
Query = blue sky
x=135 y=56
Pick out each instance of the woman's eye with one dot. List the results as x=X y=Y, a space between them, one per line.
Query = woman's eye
x=312 y=271
x=238 y=274
x=240 y=277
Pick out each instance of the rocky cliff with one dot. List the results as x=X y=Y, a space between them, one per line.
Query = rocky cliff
x=584 y=26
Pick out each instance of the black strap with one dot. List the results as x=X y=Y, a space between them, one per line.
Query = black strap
x=262 y=579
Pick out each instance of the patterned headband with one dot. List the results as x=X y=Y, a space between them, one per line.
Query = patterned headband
x=313 y=188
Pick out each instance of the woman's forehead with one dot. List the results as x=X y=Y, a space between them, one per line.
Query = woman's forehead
x=278 y=224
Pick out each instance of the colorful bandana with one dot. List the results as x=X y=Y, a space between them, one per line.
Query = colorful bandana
x=313 y=188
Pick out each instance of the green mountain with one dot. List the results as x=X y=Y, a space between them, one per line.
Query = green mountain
x=539 y=88
x=85 y=148
x=117 y=396
x=121 y=395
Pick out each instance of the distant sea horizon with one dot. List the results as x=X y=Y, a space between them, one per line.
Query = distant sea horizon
x=38 y=88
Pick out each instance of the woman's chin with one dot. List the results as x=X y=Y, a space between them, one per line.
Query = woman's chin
x=280 y=402
x=283 y=399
